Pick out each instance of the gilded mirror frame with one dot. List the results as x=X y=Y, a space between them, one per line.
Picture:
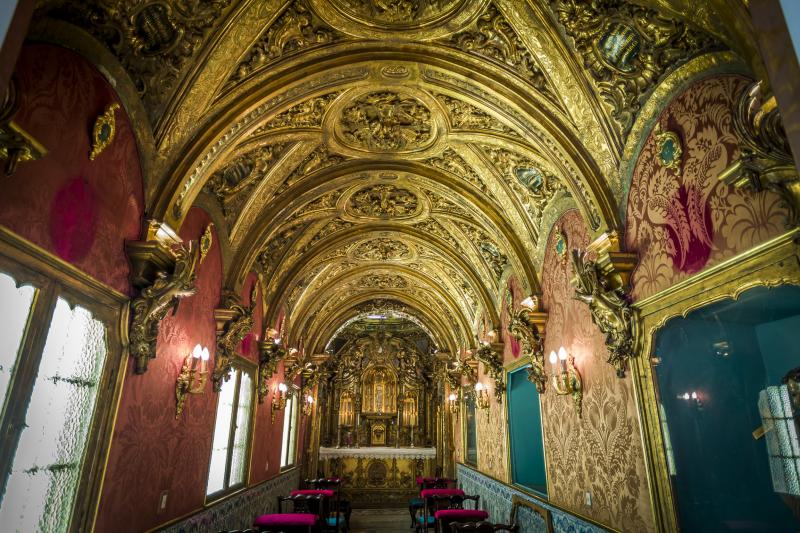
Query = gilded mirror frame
x=770 y=264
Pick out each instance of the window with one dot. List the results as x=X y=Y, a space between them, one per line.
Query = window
x=471 y=432
x=289 y=444
x=231 y=432
x=59 y=354
x=525 y=433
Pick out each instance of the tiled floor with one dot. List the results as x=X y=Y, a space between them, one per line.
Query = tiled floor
x=380 y=521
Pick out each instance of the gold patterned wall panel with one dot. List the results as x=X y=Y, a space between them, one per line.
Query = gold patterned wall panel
x=600 y=452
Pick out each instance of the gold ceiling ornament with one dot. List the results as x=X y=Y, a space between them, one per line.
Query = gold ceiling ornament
x=307 y=114
x=765 y=160
x=450 y=161
x=206 y=241
x=382 y=281
x=386 y=122
x=157 y=299
x=297 y=29
x=527 y=326
x=627 y=49
x=267 y=260
x=234 y=322
x=154 y=40
x=601 y=285
x=382 y=249
x=398 y=14
x=384 y=201
x=465 y=116
x=103 y=131
x=493 y=38
x=243 y=173
x=488 y=249
x=491 y=355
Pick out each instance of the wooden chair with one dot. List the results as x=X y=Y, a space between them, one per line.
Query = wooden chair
x=449 y=509
x=425 y=483
x=517 y=504
x=439 y=500
x=339 y=505
x=304 y=518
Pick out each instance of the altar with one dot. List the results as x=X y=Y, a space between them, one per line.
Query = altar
x=378 y=476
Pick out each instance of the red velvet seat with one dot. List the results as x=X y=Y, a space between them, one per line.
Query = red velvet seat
x=461 y=515
x=427 y=493
x=314 y=492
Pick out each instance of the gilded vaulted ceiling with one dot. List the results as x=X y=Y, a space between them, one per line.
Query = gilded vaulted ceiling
x=368 y=156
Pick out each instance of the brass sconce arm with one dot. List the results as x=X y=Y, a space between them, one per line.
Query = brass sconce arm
x=566 y=379
x=279 y=399
x=191 y=380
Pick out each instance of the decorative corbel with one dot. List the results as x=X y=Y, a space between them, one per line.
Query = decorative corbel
x=234 y=322
x=461 y=368
x=765 y=160
x=527 y=326
x=165 y=272
x=601 y=284
x=491 y=355
x=16 y=145
x=270 y=353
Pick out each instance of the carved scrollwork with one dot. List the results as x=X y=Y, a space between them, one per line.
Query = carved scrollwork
x=384 y=201
x=492 y=361
x=234 y=322
x=610 y=309
x=382 y=249
x=766 y=159
x=157 y=299
x=627 y=49
x=387 y=121
x=270 y=353
x=527 y=326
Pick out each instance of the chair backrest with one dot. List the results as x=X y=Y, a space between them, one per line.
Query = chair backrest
x=482 y=527
x=452 y=501
x=444 y=483
x=316 y=504
x=529 y=515
x=240 y=531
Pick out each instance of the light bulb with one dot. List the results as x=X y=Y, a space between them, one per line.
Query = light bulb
x=562 y=354
x=528 y=302
x=282 y=387
x=694 y=395
x=553 y=357
x=479 y=386
x=686 y=396
x=278 y=340
x=205 y=355
x=197 y=352
x=310 y=399
x=452 y=397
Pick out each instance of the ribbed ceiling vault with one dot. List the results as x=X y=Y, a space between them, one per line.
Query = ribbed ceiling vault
x=395 y=155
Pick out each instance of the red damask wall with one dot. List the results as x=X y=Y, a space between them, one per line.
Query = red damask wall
x=684 y=220
x=601 y=452
x=151 y=450
x=81 y=210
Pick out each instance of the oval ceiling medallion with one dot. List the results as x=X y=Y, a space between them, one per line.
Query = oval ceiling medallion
x=386 y=121
x=417 y=19
x=384 y=202
x=619 y=46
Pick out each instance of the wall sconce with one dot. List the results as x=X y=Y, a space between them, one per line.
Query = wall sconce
x=308 y=405
x=278 y=400
x=191 y=380
x=566 y=378
x=481 y=396
x=452 y=402
x=692 y=398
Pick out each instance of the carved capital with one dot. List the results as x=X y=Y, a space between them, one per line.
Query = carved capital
x=765 y=160
x=234 y=322
x=172 y=280
x=601 y=284
x=527 y=326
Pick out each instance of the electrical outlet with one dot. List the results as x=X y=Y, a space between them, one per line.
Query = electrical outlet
x=587 y=498
x=162 y=501
x=266 y=466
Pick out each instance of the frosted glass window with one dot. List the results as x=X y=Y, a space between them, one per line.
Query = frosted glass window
x=231 y=433
x=47 y=464
x=15 y=305
x=289 y=430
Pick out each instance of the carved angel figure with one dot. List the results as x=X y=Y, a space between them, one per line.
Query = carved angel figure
x=610 y=310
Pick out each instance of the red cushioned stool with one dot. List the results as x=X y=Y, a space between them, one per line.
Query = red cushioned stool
x=445 y=517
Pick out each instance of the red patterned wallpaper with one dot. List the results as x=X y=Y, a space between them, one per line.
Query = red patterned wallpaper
x=601 y=452
x=683 y=221
x=151 y=451
x=81 y=210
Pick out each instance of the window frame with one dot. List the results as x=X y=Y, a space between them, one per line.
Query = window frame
x=53 y=278
x=518 y=366
x=294 y=392
x=237 y=362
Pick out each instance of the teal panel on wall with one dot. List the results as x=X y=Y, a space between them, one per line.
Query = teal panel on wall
x=525 y=427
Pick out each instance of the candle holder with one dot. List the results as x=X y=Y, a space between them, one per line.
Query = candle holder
x=566 y=379
x=191 y=380
x=278 y=400
x=481 y=396
x=452 y=402
x=308 y=405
